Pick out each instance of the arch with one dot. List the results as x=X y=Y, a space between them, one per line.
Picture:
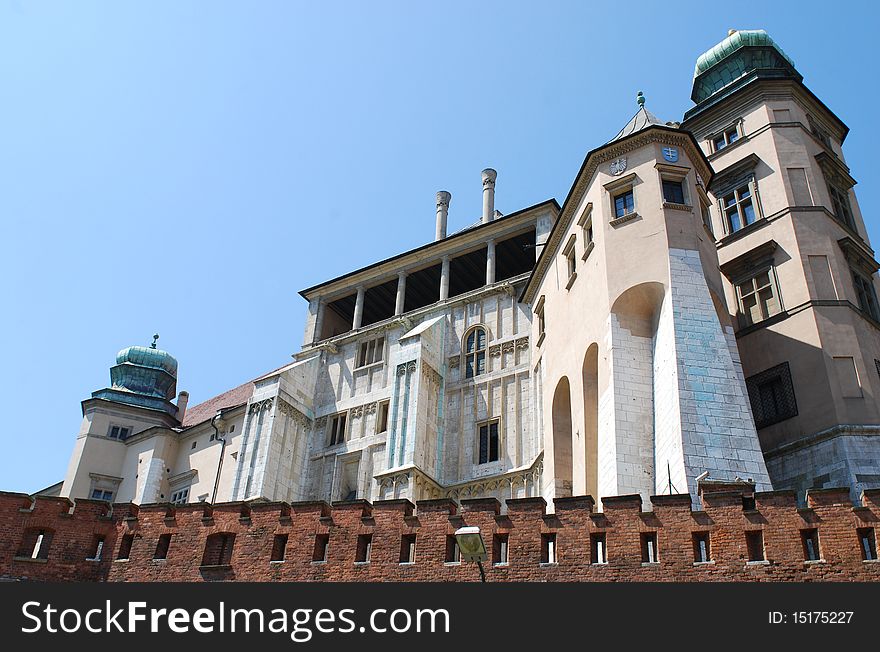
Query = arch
x=474 y=347
x=637 y=308
x=562 y=439
x=590 y=380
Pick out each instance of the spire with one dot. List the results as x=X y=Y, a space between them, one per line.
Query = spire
x=641 y=120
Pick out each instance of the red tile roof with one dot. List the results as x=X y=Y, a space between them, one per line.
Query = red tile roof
x=206 y=410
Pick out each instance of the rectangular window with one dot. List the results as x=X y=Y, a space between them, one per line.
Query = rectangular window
x=840 y=205
x=755 y=545
x=725 y=138
x=279 y=547
x=364 y=548
x=102 y=494
x=180 y=497
x=125 y=546
x=408 y=549
x=598 y=551
x=382 y=416
x=847 y=377
x=570 y=262
x=542 y=324
x=771 y=394
x=701 y=547
x=548 y=548
x=119 y=432
x=649 y=547
x=97 y=548
x=371 y=352
x=810 y=540
x=866 y=294
x=867 y=543
x=453 y=555
x=800 y=189
x=488 y=443
x=337 y=428
x=162 y=547
x=673 y=191
x=739 y=208
x=322 y=543
x=757 y=298
x=500 y=549
x=624 y=203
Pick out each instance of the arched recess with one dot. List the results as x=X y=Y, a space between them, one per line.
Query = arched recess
x=562 y=437
x=590 y=377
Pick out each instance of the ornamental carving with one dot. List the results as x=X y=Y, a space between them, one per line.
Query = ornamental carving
x=406 y=368
x=259 y=406
x=291 y=412
x=495 y=350
x=618 y=166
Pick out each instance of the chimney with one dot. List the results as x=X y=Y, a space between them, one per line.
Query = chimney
x=489 y=176
x=443 y=199
x=182 y=400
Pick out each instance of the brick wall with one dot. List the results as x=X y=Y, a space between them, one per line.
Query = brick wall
x=725 y=517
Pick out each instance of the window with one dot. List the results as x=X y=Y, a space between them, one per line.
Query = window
x=102 y=494
x=279 y=547
x=218 y=549
x=475 y=352
x=598 y=551
x=125 y=546
x=542 y=324
x=755 y=545
x=819 y=132
x=408 y=549
x=382 y=416
x=624 y=203
x=97 y=548
x=118 y=432
x=570 y=264
x=180 y=497
x=772 y=396
x=488 y=443
x=738 y=207
x=371 y=352
x=364 y=548
x=162 y=546
x=757 y=298
x=453 y=554
x=673 y=191
x=725 y=138
x=322 y=543
x=337 y=428
x=500 y=549
x=649 y=547
x=586 y=223
x=701 y=547
x=548 y=548
x=866 y=294
x=840 y=205
x=35 y=543
x=810 y=540
x=868 y=543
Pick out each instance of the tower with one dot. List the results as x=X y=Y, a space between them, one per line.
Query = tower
x=797 y=267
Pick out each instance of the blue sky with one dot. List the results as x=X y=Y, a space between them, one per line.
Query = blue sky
x=186 y=167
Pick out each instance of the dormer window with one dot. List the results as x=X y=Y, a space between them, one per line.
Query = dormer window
x=475 y=352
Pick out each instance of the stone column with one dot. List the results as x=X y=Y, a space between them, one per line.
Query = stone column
x=490 y=262
x=358 y=309
x=489 y=175
x=444 y=279
x=401 y=293
x=443 y=199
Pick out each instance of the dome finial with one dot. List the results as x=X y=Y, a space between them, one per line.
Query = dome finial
x=155 y=339
x=640 y=98
x=731 y=32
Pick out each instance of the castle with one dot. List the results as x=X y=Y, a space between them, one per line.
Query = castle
x=700 y=309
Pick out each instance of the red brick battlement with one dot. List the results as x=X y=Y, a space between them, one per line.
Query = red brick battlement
x=237 y=541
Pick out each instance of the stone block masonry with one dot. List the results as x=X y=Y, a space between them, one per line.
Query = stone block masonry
x=360 y=541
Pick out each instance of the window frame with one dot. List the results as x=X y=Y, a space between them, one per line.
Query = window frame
x=724 y=134
x=123 y=432
x=334 y=437
x=368 y=349
x=488 y=423
x=754 y=385
x=744 y=317
x=180 y=496
x=872 y=310
x=738 y=203
x=589 y=234
x=478 y=354
x=383 y=409
x=542 y=322
x=570 y=255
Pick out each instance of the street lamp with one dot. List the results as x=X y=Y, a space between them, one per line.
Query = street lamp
x=471 y=547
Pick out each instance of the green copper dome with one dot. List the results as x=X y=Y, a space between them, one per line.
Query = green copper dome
x=145 y=371
x=148 y=357
x=737 y=40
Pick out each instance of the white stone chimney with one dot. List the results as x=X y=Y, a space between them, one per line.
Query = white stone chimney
x=443 y=199
x=182 y=400
x=489 y=176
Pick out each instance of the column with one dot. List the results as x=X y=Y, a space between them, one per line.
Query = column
x=358 y=309
x=490 y=262
x=444 y=279
x=401 y=293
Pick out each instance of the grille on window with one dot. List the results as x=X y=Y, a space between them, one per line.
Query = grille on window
x=771 y=394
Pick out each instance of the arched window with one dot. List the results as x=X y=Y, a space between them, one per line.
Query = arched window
x=475 y=352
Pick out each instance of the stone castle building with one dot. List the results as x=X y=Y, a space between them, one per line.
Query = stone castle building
x=702 y=306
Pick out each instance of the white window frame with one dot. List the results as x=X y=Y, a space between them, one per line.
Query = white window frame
x=180 y=496
x=770 y=270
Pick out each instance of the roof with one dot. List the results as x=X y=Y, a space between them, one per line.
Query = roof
x=206 y=410
x=734 y=41
x=641 y=120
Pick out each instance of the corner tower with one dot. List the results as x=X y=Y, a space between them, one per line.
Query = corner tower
x=797 y=267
